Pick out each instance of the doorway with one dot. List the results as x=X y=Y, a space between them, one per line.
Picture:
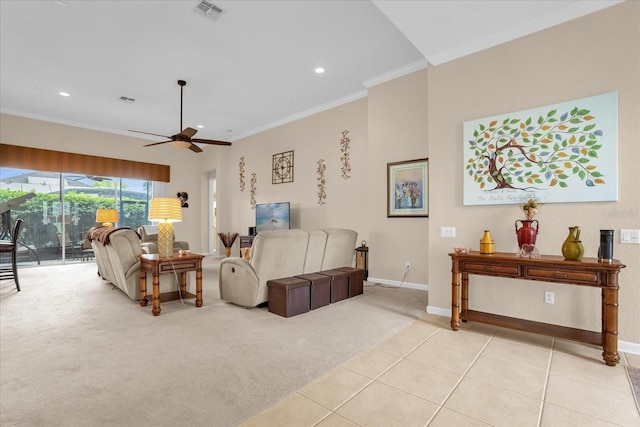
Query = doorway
x=213 y=215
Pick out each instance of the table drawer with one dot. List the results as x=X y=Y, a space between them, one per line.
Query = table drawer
x=178 y=266
x=491 y=270
x=564 y=276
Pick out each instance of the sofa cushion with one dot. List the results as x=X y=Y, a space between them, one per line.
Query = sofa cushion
x=339 y=250
x=315 y=251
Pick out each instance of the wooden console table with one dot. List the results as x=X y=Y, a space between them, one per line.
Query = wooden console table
x=547 y=268
x=156 y=265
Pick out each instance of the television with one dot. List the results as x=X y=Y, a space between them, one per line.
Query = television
x=272 y=216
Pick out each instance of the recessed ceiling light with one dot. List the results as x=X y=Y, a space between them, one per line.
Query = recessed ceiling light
x=319 y=70
x=64 y=93
x=199 y=126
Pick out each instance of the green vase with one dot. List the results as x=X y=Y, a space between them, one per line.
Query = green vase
x=572 y=248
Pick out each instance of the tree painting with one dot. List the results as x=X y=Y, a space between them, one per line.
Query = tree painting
x=538 y=151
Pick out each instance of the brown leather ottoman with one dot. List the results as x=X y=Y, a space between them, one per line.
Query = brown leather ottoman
x=320 y=289
x=356 y=278
x=288 y=296
x=339 y=284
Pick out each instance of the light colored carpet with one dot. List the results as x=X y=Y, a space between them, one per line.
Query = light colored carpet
x=74 y=351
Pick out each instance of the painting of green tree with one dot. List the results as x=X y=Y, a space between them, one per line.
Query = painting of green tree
x=563 y=152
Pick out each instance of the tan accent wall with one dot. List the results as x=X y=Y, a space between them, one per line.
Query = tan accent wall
x=312 y=138
x=596 y=54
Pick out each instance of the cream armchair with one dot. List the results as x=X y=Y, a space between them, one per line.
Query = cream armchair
x=283 y=253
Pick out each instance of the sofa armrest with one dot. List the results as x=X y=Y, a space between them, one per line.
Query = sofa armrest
x=238 y=282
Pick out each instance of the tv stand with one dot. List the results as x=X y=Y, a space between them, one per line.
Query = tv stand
x=547 y=268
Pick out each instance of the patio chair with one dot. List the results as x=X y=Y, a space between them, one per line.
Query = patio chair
x=7 y=273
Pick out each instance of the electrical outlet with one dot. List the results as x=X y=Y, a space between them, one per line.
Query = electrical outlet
x=407 y=265
x=548 y=297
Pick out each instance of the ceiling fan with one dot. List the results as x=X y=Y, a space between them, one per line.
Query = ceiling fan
x=184 y=138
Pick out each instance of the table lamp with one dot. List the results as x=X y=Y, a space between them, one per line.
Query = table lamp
x=165 y=210
x=107 y=217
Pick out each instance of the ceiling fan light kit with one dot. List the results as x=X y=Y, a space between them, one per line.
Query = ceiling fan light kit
x=183 y=139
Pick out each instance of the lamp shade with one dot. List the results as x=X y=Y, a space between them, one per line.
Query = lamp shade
x=106 y=216
x=165 y=209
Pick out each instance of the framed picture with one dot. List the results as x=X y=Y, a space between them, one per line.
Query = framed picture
x=408 y=188
x=559 y=153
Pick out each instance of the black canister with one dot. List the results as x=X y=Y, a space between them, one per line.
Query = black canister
x=605 y=251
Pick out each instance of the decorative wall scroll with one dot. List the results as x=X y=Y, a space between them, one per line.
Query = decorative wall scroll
x=253 y=190
x=344 y=148
x=408 y=188
x=282 y=167
x=564 y=152
x=241 y=167
x=321 y=182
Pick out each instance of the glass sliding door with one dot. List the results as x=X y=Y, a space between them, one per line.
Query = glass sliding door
x=59 y=209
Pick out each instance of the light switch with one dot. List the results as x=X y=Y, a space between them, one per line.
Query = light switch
x=447 y=232
x=630 y=237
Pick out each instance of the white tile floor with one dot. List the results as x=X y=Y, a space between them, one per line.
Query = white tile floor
x=427 y=374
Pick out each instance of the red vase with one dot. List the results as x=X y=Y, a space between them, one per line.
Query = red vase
x=527 y=234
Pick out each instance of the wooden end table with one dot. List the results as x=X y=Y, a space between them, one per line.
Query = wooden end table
x=152 y=263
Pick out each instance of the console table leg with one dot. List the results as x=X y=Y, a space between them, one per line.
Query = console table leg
x=465 y=297
x=455 y=297
x=610 y=325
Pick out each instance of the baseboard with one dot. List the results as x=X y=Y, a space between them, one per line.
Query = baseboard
x=409 y=285
x=623 y=346
x=629 y=347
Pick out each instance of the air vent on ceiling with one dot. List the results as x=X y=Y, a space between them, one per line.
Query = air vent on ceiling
x=208 y=10
x=127 y=100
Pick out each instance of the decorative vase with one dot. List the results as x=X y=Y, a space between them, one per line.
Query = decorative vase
x=572 y=248
x=526 y=233
x=486 y=243
x=228 y=251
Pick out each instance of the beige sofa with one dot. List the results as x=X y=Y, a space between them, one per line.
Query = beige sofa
x=283 y=253
x=116 y=252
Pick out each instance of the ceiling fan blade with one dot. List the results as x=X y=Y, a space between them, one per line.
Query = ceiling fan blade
x=210 y=141
x=189 y=132
x=195 y=148
x=149 y=133
x=157 y=143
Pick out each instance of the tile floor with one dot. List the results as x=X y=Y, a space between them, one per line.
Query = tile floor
x=427 y=374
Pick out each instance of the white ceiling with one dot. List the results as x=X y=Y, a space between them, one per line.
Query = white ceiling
x=248 y=71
